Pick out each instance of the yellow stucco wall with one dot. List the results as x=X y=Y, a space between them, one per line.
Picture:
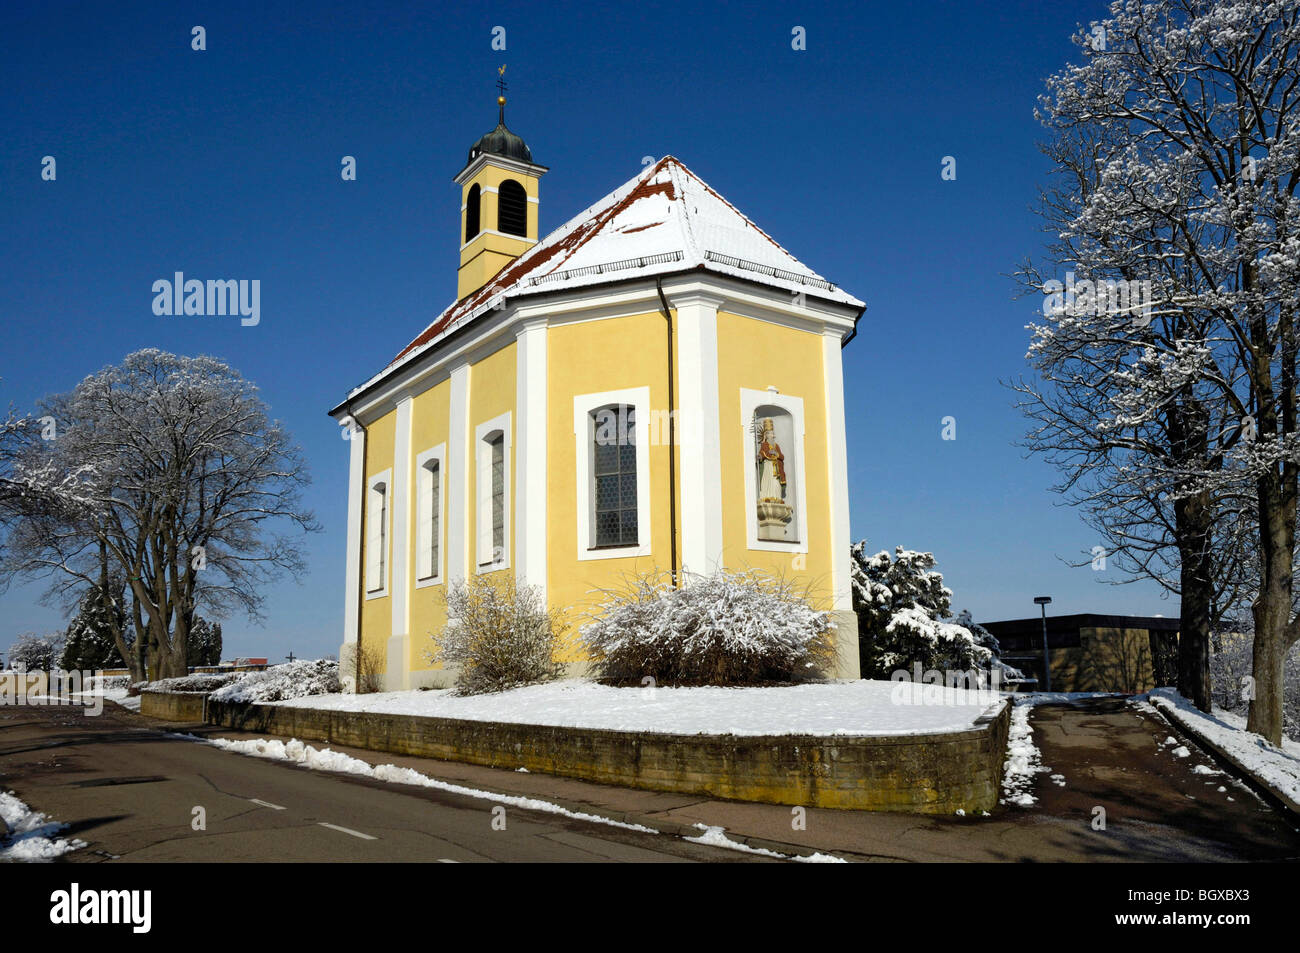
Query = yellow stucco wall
x=485 y=255
x=491 y=393
x=429 y=427
x=587 y=358
x=377 y=613
x=591 y=357
x=754 y=354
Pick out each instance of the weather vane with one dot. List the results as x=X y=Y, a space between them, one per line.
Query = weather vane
x=501 y=99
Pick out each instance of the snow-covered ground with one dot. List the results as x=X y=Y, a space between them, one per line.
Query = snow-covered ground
x=1278 y=768
x=840 y=708
x=31 y=834
x=1024 y=760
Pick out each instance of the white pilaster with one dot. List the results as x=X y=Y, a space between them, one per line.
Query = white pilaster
x=701 y=460
x=530 y=454
x=458 y=463
x=356 y=494
x=837 y=469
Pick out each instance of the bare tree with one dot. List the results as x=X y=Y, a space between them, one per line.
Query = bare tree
x=1189 y=110
x=1120 y=407
x=168 y=471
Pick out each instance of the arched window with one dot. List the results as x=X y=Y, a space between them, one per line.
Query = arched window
x=472 y=211
x=613 y=475
x=512 y=208
x=493 y=493
x=497 y=446
x=428 y=514
x=377 y=535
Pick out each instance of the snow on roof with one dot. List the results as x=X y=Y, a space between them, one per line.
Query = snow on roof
x=666 y=219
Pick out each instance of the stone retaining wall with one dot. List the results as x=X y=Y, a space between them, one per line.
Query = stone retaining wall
x=928 y=774
x=174 y=706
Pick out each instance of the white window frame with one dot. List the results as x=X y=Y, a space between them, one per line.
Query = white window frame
x=438 y=455
x=483 y=490
x=386 y=556
x=583 y=434
x=750 y=401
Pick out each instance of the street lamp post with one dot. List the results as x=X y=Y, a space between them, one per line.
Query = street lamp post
x=1047 y=657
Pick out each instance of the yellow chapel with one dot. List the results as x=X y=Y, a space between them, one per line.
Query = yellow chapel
x=654 y=386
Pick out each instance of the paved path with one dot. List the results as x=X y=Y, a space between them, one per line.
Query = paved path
x=129 y=791
x=1158 y=807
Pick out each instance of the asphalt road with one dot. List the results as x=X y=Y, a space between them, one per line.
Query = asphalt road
x=131 y=794
x=129 y=791
x=1157 y=807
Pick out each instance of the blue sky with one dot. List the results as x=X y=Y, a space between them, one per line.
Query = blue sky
x=225 y=163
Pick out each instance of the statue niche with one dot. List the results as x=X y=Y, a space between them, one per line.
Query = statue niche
x=774 y=511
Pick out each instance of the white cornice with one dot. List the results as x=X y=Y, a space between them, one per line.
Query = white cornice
x=492 y=231
x=492 y=329
x=501 y=162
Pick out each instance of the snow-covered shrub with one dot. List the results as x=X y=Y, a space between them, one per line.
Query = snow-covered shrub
x=905 y=617
x=499 y=635
x=726 y=628
x=198 y=682
x=108 y=683
x=987 y=640
x=279 y=682
x=1231 y=662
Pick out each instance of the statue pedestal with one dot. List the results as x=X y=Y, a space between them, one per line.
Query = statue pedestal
x=773 y=517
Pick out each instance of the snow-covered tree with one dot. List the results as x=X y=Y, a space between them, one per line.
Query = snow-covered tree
x=724 y=628
x=180 y=483
x=36 y=653
x=89 y=639
x=905 y=617
x=1174 y=419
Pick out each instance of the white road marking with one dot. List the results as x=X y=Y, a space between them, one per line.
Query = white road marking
x=347 y=830
x=445 y=860
x=274 y=807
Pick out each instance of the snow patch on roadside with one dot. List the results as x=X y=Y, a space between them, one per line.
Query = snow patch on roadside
x=323 y=759
x=1024 y=760
x=717 y=837
x=31 y=838
x=1277 y=768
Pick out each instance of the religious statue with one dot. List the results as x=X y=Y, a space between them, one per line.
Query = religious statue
x=774 y=513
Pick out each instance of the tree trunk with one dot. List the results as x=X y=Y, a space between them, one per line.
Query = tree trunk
x=1197 y=597
x=1272 y=608
x=1265 y=716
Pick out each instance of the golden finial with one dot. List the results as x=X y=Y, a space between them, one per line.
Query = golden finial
x=501 y=85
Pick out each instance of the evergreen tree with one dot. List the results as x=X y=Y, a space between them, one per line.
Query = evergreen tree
x=905 y=617
x=88 y=640
x=205 y=642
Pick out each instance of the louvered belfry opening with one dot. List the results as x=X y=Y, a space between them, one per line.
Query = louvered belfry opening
x=512 y=205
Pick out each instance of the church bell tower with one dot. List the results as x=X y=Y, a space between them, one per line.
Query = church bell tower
x=499 y=203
